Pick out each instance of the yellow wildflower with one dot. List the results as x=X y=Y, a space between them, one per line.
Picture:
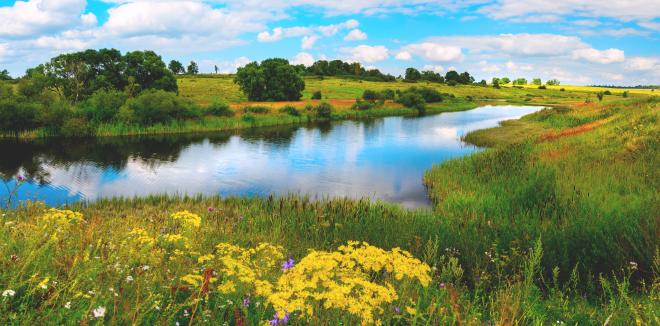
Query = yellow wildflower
x=187 y=219
x=194 y=280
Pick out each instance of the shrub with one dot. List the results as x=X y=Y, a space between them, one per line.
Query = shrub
x=256 y=109
x=625 y=94
x=430 y=95
x=17 y=115
x=77 y=127
x=542 y=87
x=309 y=108
x=413 y=100
x=600 y=96
x=290 y=110
x=317 y=95
x=272 y=80
x=607 y=92
x=157 y=106
x=103 y=106
x=370 y=95
x=452 y=83
x=562 y=89
x=361 y=105
x=323 y=110
x=219 y=109
x=249 y=118
x=387 y=94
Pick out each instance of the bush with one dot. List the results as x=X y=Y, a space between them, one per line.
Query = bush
x=452 y=83
x=290 y=110
x=17 y=115
x=219 y=109
x=361 y=105
x=387 y=94
x=413 y=100
x=309 y=108
x=430 y=95
x=317 y=95
x=272 y=80
x=103 y=106
x=256 y=109
x=542 y=87
x=249 y=118
x=157 y=106
x=625 y=94
x=77 y=127
x=607 y=93
x=562 y=89
x=323 y=110
x=370 y=95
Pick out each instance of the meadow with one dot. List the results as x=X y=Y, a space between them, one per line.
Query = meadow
x=556 y=224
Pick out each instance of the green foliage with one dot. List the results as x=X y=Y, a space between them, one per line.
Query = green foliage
x=413 y=100
x=17 y=113
x=317 y=95
x=553 y=82
x=625 y=94
x=4 y=75
x=193 y=68
x=219 y=109
x=505 y=80
x=607 y=92
x=600 y=96
x=256 y=109
x=103 y=106
x=323 y=111
x=361 y=105
x=290 y=110
x=537 y=81
x=76 y=127
x=432 y=77
x=542 y=87
x=520 y=81
x=412 y=75
x=272 y=80
x=176 y=67
x=157 y=106
x=370 y=95
x=345 y=69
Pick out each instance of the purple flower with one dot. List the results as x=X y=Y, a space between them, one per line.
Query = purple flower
x=211 y=209
x=277 y=321
x=246 y=302
x=287 y=265
x=442 y=285
x=20 y=178
x=397 y=310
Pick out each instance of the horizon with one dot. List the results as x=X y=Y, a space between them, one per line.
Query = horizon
x=579 y=43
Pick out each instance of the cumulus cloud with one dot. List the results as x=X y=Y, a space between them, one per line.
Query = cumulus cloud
x=436 y=52
x=355 y=35
x=604 y=57
x=308 y=42
x=278 y=33
x=434 y=68
x=643 y=63
x=366 y=53
x=404 y=56
x=618 y=9
x=224 y=66
x=37 y=17
x=303 y=58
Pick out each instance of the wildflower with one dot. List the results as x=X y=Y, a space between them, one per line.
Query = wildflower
x=211 y=209
x=411 y=310
x=205 y=258
x=246 y=302
x=129 y=279
x=633 y=265
x=280 y=318
x=397 y=310
x=20 y=178
x=67 y=305
x=43 y=284
x=442 y=285
x=98 y=312
x=145 y=268
x=187 y=219
x=287 y=265
x=8 y=293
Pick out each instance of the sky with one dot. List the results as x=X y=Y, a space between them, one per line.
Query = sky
x=581 y=42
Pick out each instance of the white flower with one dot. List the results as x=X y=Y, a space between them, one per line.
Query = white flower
x=67 y=305
x=129 y=279
x=98 y=312
x=145 y=267
x=8 y=293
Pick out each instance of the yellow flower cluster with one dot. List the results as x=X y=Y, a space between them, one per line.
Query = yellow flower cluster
x=249 y=268
x=61 y=218
x=345 y=280
x=142 y=238
x=187 y=219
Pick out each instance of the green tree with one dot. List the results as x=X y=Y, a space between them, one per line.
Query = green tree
x=520 y=81
x=176 y=67
x=4 y=75
x=452 y=76
x=537 y=81
x=505 y=80
x=432 y=77
x=272 y=80
x=412 y=75
x=465 y=78
x=193 y=68
x=553 y=82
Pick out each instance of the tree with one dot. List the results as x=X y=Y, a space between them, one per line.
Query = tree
x=176 y=67
x=465 y=78
x=537 y=81
x=193 y=69
x=272 y=80
x=552 y=82
x=149 y=71
x=453 y=76
x=505 y=80
x=483 y=83
x=432 y=76
x=412 y=75
x=216 y=69
x=4 y=75
x=520 y=81
x=413 y=100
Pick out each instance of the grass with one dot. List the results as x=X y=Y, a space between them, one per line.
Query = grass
x=557 y=223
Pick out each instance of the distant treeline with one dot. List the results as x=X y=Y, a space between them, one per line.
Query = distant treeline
x=635 y=87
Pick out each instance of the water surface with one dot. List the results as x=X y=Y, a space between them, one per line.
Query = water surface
x=379 y=159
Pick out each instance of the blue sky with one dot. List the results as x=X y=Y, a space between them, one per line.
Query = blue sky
x=575 y=41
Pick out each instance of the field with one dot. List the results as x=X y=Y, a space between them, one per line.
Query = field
x=557 y=224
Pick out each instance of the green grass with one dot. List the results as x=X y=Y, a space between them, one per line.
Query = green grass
x=556 y=223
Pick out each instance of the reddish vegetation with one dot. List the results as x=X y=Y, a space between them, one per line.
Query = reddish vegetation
x=573 y=131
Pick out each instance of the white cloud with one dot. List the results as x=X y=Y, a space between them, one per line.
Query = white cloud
x=434 y=68
x=366 y=53
x=308 y=42
x=224 y=66
x=355 y=35
x=303 y=58
x=650 y=25
x=515 y=44
x=278 y=33
x=618 y=9
x=39 y=17
x=489 y=67
x=643 y=63
x=404 y=56
x=436 y=52
x=614 y=76
x=604 y=57
x=586 y=22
